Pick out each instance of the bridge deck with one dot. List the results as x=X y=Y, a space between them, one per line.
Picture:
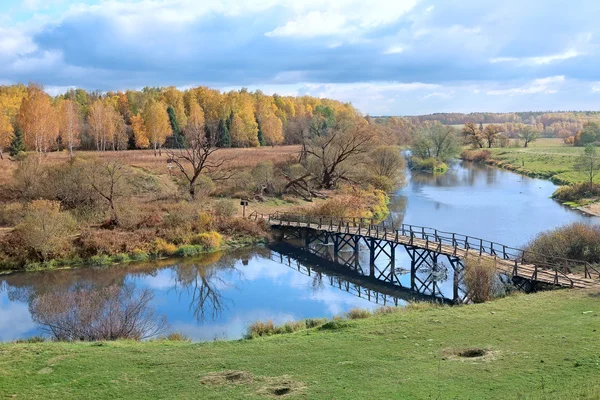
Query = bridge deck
x=509 y=266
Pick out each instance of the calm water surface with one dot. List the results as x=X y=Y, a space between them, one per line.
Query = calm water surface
x=217 y=296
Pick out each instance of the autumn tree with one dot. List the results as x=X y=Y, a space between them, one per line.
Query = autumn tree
x=6 y=133
x=528 y=135
x=70 y=124
x=156 y=121
x=38 y=118
x=140 y=136
x=473 y=135
x=490 y=134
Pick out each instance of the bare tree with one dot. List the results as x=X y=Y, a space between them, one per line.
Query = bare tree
x=196 y=158
x=108 y=313
x=109 y=181
x=335 y=151
x=589 y=163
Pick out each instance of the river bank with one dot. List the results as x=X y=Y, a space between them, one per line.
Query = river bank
x=509 y=357
x=547 y=159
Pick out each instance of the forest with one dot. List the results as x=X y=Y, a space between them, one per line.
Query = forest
x=32 y=120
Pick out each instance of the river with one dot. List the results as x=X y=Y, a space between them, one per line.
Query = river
x=219 y=295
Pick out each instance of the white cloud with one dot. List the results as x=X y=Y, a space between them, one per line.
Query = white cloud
x=545 y=85
x=539 y=60
x=394 y=50
x=314 y=23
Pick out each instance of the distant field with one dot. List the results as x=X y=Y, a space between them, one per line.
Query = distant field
x=547 y=158
x=237 y=158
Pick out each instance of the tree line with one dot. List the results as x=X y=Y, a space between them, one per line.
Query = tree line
x=32 y=120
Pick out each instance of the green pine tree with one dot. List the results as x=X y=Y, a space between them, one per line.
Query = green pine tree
x=224 y=136
x=18 y=144
x=261 y=135
x=178 y=139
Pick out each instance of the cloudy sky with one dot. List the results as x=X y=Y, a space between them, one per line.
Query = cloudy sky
x=388 y=57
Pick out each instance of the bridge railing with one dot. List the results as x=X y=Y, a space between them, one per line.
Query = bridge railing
x=436 y=240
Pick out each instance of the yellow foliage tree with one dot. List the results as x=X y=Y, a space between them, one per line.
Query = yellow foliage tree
x=69 y=124
x=139 y=132
x=39 y=119
x=156 y=121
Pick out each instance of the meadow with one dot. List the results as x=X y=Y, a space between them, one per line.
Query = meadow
x=546 y=158
x=506 y=349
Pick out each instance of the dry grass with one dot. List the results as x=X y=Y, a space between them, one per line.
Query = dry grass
x=145 y=159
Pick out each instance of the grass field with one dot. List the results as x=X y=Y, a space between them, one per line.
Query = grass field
x=541 y=346
x=236 y=158
x=545 y=158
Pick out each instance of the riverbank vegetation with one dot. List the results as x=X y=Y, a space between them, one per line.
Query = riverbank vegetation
x=493 y=350
x=181 y=197
x=433 y=146
x=575 y=242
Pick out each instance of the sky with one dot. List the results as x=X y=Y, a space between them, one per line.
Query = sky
x=387 y=57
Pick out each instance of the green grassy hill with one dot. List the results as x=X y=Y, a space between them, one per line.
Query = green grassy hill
x=541 y=346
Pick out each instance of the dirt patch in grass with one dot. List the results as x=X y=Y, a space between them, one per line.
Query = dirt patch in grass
x=469 y=354
x=281 y=386
x=227 y=378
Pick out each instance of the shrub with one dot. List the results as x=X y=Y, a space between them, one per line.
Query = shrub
x=576 y=241
x=383 y=183
x=45 y=231
x=100 y=260
x=189 y=251
x=121 y=258
x=260 y=328
x=11 y=214
x=242 y=227
x=480 y=277
x=177 y=337
x=387 y=310
x=576 y=192
x=208 y=240
x=358 y=313
x=204 y=221
x=225 y=208
x=315 y=322
x=139 y=255
x=161 y=247
x=351 y=203
x=100 y=241
x=476 y=155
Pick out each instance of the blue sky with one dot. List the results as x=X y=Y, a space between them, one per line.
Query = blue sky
x=392 y=57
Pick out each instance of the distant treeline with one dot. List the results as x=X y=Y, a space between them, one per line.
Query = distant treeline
x=155 y=117
x=565 y=125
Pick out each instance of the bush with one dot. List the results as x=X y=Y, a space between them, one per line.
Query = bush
x=208 y=240
x=121 y=258
x=161 y=247
x=358 y=313
x=100 y=260
x=11 y=214
x=204 y=221
x=576 y=241
x=139 y=255
x=176 y=337
x=476 y=155
x=383 y=183
x=112 y=242
x=242 y=227
x=481 y=277
x=45 y=231
x=576 y=192
x=189 y=251
x=225 y=208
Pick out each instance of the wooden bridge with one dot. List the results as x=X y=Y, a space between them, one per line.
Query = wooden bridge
x=424 y=245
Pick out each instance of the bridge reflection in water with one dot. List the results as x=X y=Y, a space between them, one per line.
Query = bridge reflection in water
x=380 y=280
